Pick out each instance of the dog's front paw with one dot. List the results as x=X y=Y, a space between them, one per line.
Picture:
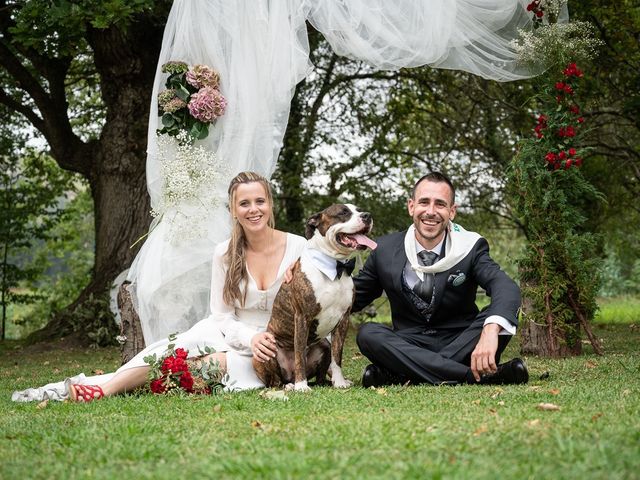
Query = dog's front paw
x=301 y=386
x=342 y=383
x=337 y=379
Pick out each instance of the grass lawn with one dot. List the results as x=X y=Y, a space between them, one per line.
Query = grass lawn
x=618 y=310
x=398 y=432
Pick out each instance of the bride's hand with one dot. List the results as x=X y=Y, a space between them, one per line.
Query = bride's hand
x=263 y=346
x=288 y=273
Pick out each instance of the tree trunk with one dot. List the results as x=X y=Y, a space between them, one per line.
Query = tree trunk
x=132 y=340
x=290 y=167
x=544 y=340
x=126 y=62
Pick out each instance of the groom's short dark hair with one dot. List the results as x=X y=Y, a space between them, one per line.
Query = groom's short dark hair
x=435 y=177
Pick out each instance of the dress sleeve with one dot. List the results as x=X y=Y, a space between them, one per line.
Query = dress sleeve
x=236 y=334
x=295 y=246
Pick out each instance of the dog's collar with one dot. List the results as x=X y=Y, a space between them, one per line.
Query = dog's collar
x=323 y=262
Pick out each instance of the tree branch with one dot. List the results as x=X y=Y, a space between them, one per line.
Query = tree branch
x=54 y=122
x=24 y=78
x=21 y=108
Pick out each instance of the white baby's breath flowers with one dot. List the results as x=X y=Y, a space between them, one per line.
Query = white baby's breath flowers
x=189 y=173
x=556 y=43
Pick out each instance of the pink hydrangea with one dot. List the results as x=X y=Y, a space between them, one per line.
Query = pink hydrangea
x=207 y=105
x=200 y=76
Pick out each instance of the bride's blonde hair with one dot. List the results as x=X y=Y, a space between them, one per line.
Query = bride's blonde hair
x=235 y=257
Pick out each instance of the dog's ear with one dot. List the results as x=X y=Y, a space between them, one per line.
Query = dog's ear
x=312 y=224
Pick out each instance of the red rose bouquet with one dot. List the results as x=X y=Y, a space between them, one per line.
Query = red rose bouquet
x=174 y=373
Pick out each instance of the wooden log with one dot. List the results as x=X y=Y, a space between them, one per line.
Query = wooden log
x=130 y=328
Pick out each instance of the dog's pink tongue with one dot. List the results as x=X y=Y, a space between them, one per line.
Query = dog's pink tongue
x=364 y=240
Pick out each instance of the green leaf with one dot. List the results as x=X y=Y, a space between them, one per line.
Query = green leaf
x=168 y=120
x=182 y=93
x=176 y=81
x=204 y=131
x=194 y=132
x=150 y=359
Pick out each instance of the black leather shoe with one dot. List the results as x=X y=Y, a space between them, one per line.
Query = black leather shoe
x=375 y=376
x=509 y=373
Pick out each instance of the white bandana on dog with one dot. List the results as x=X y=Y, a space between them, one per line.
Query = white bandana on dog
x=321 y=261
x=458 y=245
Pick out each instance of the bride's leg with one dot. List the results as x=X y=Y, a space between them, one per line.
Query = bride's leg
x=126 y=381
x=133 y=378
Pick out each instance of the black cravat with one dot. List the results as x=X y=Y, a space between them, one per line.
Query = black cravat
x=347 y=267
x=424 y=288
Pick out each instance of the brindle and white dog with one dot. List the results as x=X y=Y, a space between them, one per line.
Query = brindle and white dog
x=316 y=303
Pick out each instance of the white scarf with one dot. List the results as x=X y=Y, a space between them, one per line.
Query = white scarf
x=457 y=246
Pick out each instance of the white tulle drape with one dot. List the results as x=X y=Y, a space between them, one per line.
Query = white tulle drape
x=260 y=49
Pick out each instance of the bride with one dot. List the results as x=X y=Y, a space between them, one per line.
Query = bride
x=247 y=272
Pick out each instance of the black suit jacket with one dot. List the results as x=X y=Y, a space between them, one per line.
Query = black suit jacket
x=454 y=306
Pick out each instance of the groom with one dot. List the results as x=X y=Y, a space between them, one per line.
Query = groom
x=430 y=273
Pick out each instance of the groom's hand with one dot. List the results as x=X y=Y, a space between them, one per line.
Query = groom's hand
x=483 y=358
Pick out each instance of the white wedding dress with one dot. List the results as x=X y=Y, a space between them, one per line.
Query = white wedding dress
x=226 y=329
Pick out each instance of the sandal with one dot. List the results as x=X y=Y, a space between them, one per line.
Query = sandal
x=85 y=393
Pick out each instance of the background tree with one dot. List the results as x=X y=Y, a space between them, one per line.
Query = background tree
x=613 y=163
x=31 y=191
x=81 y=73
x=323 y=115
x=67 y=255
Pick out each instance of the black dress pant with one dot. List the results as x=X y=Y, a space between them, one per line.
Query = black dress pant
x=422 y=354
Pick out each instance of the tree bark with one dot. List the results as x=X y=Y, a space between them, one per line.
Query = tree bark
x=130 y=329
x=544 y=340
